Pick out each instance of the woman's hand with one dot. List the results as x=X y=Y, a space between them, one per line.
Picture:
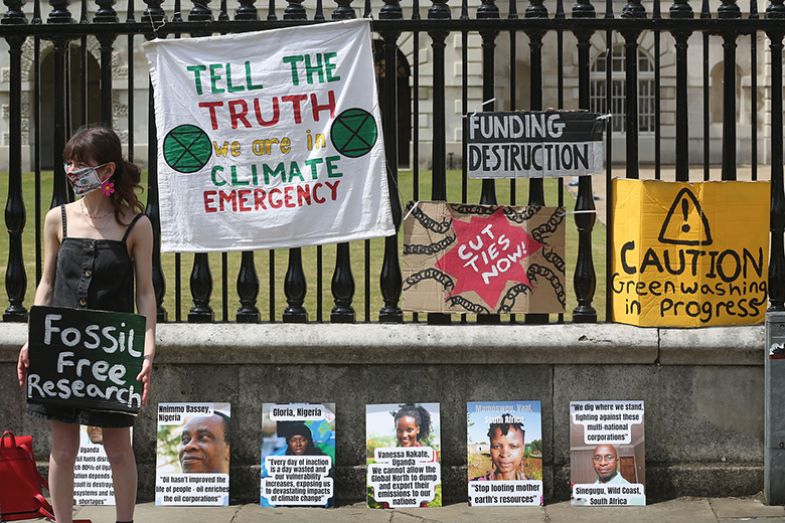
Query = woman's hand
x=145 y=377
x=22 y=364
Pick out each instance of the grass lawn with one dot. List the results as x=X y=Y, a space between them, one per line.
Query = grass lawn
x=366 y=257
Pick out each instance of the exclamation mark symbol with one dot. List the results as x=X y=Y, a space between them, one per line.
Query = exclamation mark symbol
x=685 y=207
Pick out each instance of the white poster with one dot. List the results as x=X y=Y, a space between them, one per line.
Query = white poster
x=193 y=454
x=269 y=139
x=403 y=447
x=298 y=454
x=504 y=444
x=607 y=453
x=92 y=472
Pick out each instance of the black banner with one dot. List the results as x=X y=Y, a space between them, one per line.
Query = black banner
x=534 y=144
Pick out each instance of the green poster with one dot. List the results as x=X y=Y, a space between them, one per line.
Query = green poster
x=85 y=359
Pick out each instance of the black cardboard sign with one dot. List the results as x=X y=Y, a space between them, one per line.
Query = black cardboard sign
x=534 y=144
x=85 y=359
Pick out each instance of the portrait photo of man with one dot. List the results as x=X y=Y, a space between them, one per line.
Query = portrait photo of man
x=605 y=461
x=607 y=453
x=205 y=445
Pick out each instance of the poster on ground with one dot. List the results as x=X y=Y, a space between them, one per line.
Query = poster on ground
x=298 y=455
x=607 y=453
x=193 y=454
x=483 y=259
x=269 y=139
x=85 y=359
x=689 y=254
x=403 y=446
x=504 y=453
x=534 y=144
x=92 y=472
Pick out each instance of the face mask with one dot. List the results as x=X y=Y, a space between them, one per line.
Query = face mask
x=84 y=180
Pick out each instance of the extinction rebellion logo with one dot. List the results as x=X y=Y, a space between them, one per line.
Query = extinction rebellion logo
x=354 y=133
x=187 y=149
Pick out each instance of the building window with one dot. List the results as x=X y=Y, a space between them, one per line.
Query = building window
x=598 y=86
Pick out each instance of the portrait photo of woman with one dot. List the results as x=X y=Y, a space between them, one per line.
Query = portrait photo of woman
x=391 y=426
x=303 y=436
x=504 y=444
x=504 y=441
x=299 y=441
x=507 y=449
x=412 y=424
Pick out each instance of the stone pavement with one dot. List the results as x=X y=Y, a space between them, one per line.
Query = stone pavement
x=686 y=510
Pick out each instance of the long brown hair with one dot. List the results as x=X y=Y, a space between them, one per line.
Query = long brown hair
x=102 y=145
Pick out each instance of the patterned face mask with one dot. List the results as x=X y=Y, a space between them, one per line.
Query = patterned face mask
x=85 y=180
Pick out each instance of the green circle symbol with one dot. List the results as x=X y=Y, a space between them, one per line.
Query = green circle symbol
x=187 y=148
x=354 y=132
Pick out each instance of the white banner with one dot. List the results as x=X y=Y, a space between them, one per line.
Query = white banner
x=269 y=139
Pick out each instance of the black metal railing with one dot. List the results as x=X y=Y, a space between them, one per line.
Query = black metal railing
x=561 y=34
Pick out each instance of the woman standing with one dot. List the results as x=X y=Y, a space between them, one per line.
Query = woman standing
x=96 y=251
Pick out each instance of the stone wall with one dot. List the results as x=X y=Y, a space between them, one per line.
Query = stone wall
x=703 y=391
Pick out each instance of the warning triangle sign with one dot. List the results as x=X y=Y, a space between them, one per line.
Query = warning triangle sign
x=685 y=223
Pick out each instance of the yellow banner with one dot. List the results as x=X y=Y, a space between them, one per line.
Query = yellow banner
x=689 y=254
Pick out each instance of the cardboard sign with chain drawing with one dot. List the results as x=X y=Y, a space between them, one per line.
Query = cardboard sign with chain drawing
x=483 y=259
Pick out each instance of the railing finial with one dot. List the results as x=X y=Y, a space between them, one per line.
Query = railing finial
x=488 y=9
x=14 y=15
x=583 y=9
x=729 y=9
x=153 y=14
x=775 y=9
x=439 y=10
x=59 y=13
x=536 y=9
x=680 y=9
x=200 y=12
x=391 y=10
x=633 y=9
x=294 y=11
x=247 y=11
x=344 y=10
x=105 y=12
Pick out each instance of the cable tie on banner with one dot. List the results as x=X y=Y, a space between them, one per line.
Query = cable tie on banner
x=600 y=122
x=411 y=210
x=486 y=102
x=155 y=29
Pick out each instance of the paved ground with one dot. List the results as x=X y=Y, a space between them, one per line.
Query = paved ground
x=686 y=510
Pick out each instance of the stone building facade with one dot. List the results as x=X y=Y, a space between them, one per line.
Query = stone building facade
x=124 y=112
